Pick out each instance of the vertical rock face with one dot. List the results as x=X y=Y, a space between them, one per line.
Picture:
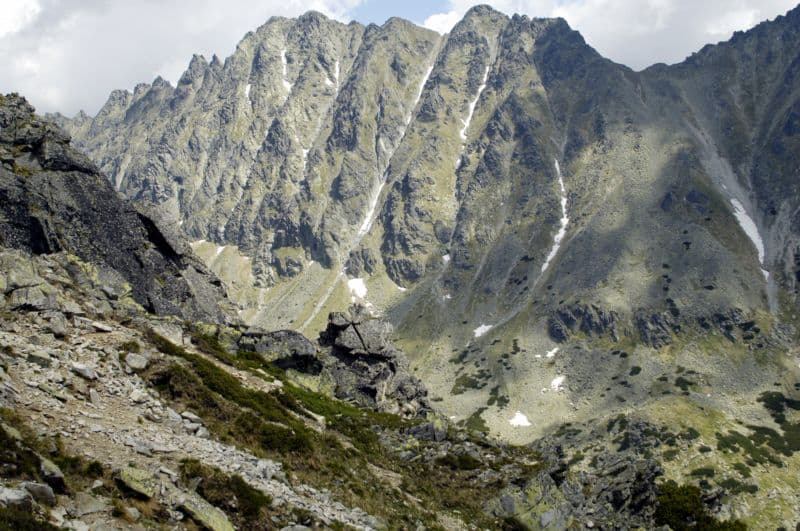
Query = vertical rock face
x=472 y=186
x=52 y=199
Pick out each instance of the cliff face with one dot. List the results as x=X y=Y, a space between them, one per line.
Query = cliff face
x=54 y=199
x=498 y=193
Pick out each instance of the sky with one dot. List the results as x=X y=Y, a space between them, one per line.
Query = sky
x=67 y=55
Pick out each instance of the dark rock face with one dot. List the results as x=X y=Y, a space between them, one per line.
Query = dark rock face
x=617 y=491
x=287 y=349
x=367 y=369
x=52 y=198
x=655 y=329
x=588 y=319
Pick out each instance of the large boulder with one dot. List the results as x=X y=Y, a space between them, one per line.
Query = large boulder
x=366 y=368
x=287 y=349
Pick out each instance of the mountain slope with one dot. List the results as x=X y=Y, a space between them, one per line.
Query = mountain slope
x=523 y=210
x=53 y=199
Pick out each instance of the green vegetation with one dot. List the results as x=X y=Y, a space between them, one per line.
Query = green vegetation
x=341 y=458
x=681 y=507
x=130 y=346
x=19 y=520
x=247 y=507
x=459 y=462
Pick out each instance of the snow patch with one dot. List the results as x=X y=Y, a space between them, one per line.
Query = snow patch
x=564 y=221
x=400 y=288
x=286 y=84
x=419 y=93
x=519 y=420
x=473 y=104
x=336 y=72
x=558 y=383
x=305 y=159
x=446 y=259
x=357 y=287
x=369 y=217
x=219 y=250
x=552 y=353
x=751 y=229
x=247 y=90
x=482 y=329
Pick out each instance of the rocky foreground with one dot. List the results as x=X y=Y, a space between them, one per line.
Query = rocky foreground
x=115 y=419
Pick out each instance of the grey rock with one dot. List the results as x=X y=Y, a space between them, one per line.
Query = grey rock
x=366 y=368
x=191 y=417
x=16 y=498
x=136 y=362
x=85 y=504
x=40 y=358
x=41 y=493
x=52 y=475
x=65 y=204
x=57 y=323
x=84 y=371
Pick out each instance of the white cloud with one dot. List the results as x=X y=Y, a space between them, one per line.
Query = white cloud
x=17 y=14
x=637 y=33
x=443 y=22
x=69 y=55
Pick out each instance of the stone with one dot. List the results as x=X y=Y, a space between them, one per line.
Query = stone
x=203 y=433
x=139 y=481
x=191 y=417
x=50 y=390
x=132 y=514
x=94 y=397
x=84 y=371
x=85 y=504
x=52 y=475
x=286 y=349
x=16 y=498
x=11 y=432
x=57 y=324
x=139 y=396
x=204 y=513
x=191 y=427
x=35 y=298
x=40 y=358
x=41 y=493
x=136 y=362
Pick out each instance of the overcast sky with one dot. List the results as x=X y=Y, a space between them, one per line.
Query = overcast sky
x=66 y=55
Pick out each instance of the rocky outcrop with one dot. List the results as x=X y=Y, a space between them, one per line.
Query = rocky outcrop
x=53 y=199
x=588 y=319
x=285 y=349
x=367 y=369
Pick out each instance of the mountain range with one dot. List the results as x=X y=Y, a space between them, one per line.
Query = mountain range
x=558 y=241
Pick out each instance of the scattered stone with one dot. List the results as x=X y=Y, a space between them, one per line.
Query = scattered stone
x=40 y=358
x=204 y=513
x=84 y=371
x=52 y=392
x=16 y=498
x=203 y=433
x=87 y=504
x=57 y=324
x=94 y=397
x=52 y=475
x=139 y=481
x=139 y=396
x=191 y=417
x=41 y=493
x=136 y=362
x=133 y=514
x=11 y=432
